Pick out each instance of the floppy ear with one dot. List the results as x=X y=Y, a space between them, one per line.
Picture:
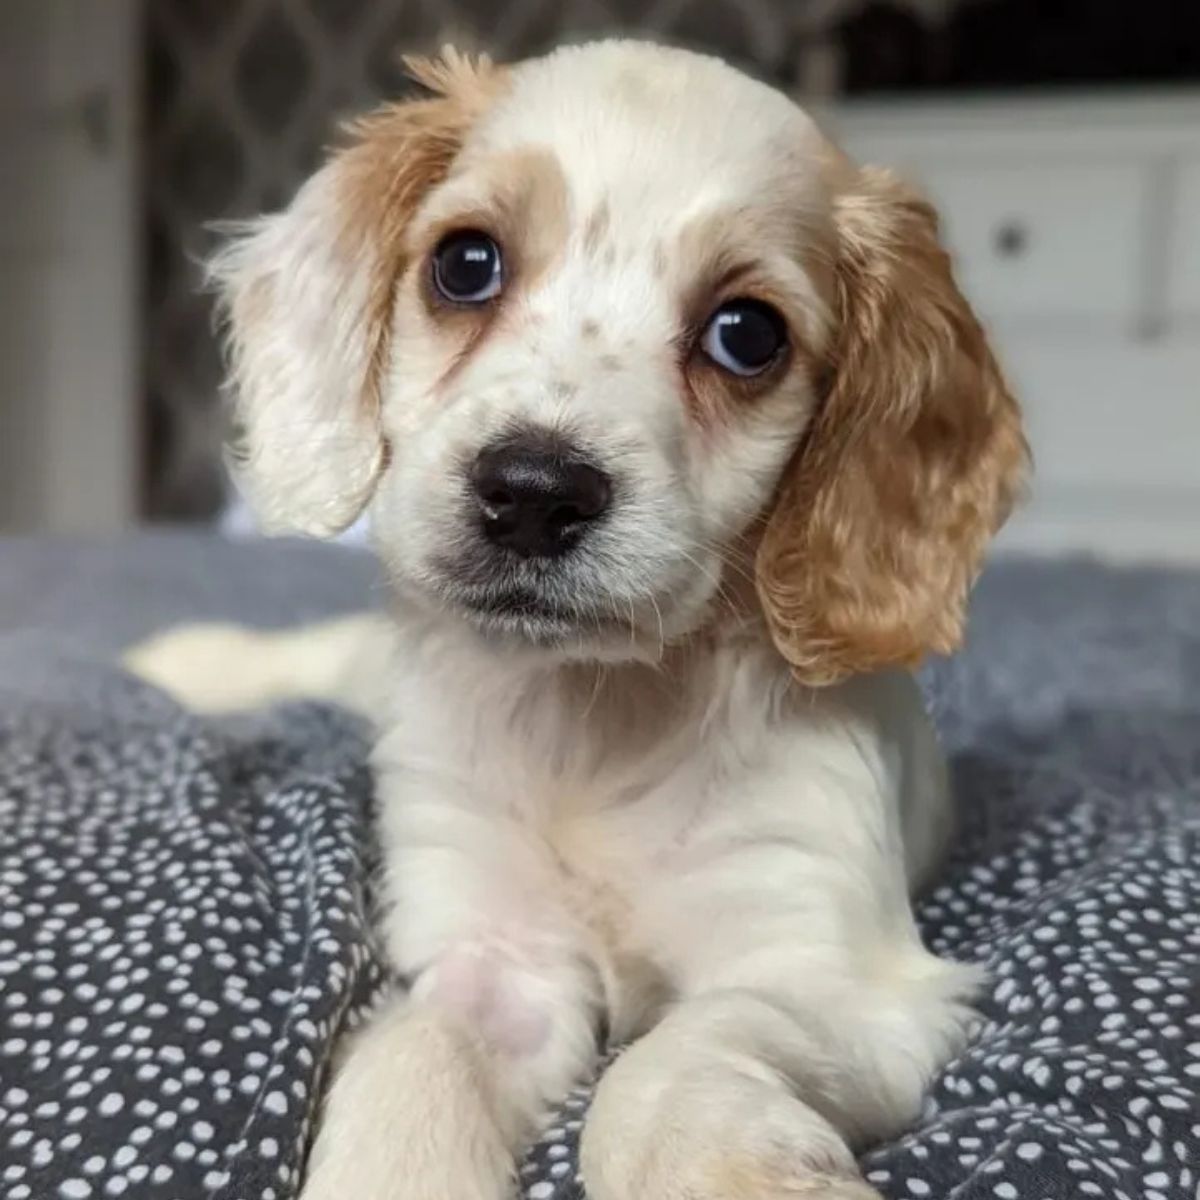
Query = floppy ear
x=307 y=296
x=912 y=462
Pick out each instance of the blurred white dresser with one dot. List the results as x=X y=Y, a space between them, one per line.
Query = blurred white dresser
x=1075 y=225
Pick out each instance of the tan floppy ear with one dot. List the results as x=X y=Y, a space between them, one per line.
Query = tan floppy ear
x=912 y=462
x=307 y=295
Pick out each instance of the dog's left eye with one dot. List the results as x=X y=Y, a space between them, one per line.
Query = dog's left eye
x=467 y=267
x=744 y=336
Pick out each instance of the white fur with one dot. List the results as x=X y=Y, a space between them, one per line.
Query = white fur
x=293 y=377
x=651 y=827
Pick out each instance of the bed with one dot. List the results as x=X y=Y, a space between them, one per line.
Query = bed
x=184 y=902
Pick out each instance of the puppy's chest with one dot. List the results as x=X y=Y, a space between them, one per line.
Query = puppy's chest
x=609 y=854
x=604 y=831
x=575 y=809
x=593 y=818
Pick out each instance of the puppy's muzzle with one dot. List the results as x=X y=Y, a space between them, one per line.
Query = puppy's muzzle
x=537 y=495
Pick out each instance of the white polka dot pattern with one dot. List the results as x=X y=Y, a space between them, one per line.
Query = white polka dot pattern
x=182 y=932
x=181 y=937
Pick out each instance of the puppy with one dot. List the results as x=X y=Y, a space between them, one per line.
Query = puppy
x=680 y=445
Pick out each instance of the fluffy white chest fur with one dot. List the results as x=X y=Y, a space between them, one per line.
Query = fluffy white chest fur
x=679 y=446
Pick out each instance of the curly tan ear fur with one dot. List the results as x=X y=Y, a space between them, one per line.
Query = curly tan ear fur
x=307 y=294
x=913 y=461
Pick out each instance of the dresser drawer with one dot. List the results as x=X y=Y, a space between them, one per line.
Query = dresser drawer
x=1184 y=260
x=1037 y=240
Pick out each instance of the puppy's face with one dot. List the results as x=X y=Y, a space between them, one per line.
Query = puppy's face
x=603 y=350
x=614 y=343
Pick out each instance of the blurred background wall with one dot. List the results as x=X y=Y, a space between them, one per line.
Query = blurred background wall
x=1061 y=139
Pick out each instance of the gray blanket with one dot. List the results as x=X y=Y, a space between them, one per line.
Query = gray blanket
x=183 y=929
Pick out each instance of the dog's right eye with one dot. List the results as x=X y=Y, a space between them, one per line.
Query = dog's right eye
x=467 y=267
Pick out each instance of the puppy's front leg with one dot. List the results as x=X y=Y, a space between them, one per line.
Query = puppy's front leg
x=702 y=1109
x=445 y=1085
x=779 y=1060
x=413 y=1113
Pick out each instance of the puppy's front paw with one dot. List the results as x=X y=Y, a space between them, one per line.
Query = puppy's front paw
x=409 y=1118
x=711 y=1136
x=399 y=1187
x=380 y=1173
x=678 y=1166
x=734 y=1177
x=823 y=1187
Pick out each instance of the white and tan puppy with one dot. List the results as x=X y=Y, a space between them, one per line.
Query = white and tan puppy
x=679 y=445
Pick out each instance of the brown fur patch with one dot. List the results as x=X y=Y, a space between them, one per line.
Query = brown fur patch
x=535 y=202
x=915 y=458
x=524 y=208
x=714 y=393
x=469 y=326
x=723 y=251
x=723 y=254
x=395 y=156
x=469 y=78
x=589 y=329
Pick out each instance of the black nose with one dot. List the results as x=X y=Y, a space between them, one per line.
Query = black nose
x=537 y=497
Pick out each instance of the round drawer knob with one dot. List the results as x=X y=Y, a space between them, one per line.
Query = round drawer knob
x=1011 y=239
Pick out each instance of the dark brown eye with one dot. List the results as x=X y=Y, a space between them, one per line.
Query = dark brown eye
x=744 y=336
x=467 y=267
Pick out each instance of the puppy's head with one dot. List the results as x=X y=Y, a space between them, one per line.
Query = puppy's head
x=613 y=342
